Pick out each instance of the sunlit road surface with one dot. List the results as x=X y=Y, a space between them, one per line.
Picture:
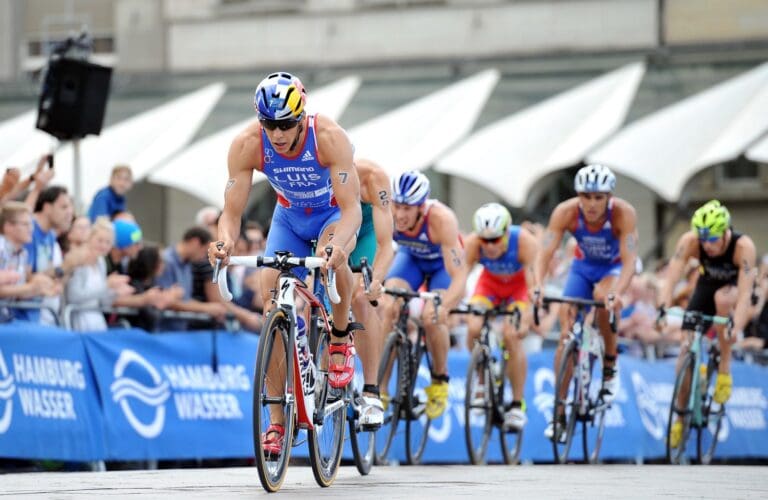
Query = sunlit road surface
x=385 y=483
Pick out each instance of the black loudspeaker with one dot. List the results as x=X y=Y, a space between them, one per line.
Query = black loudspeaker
x=73 y=98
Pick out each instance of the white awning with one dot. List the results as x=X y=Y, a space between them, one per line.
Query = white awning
x=665 y=149
x=201 y=169
x=759 y=152
x=509 y=156
x=143 y=142
x=413 y=136
x=21 y=144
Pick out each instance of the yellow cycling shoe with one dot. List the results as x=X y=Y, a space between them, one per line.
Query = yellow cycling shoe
x=723 y=387
x=437 y=399
x=676 y=434
x=384 y=397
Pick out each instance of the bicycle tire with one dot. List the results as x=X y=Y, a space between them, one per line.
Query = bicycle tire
x=677 y=455
x=570 y=355
x=417 y=422
x=478 y=420
x=363 y=442
x=326 y=439
x=712 y=416
x=272 y=469
x=391 y=365
x=511 y=441
x=597 y=411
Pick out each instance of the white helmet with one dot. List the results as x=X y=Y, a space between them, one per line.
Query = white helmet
x=594 y=179
x=410 y=188
x=491 y=220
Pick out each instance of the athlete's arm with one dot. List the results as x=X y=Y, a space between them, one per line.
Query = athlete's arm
x=444 y=230
x=626 y=227
x=472 y=250
x=244 y=156
x=382 y=223
x=335 y=151
x=745 y=258
x=558 y=223
x=527 y=249
x=686 y=248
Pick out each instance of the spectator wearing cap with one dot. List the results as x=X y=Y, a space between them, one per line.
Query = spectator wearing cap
x=111 y=199
x=16 y=225
x=178 y=261
x=128 y=238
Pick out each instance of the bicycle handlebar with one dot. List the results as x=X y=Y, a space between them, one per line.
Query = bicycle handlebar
x=367 y=273
x=698 y=317
x=284 y=261
x=407 y=294
x=579 y=302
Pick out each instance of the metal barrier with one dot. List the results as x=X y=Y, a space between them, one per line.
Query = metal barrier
x=31 y=305
x=230 y=323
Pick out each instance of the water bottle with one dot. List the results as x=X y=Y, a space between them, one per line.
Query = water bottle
x=703 y=379
x=306 y=366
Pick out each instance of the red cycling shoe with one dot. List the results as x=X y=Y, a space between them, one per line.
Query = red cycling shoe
x=272 y=441
x=340 y=375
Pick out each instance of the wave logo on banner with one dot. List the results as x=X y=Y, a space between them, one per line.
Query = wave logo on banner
x=7 y=389
x=125 y=387
x=652 y=404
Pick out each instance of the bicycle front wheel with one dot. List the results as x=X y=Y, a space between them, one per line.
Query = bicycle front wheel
x=478 y=413
x=272 y=401
x=564 y=417
x=593 y=424
x=363 y=442
x=326 y=438
x=417 y=423
x=677 y=454
x=391 y=378
x=712 y=415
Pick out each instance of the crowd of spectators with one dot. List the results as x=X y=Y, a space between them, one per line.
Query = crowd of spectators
x=90 y=271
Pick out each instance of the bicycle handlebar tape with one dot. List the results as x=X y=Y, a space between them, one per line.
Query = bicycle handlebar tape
x=333 y=294
x=223 y=286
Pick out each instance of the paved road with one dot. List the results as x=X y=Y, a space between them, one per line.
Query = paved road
x=385 y=483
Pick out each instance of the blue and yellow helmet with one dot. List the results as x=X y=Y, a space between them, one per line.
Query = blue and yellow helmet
x=280 y=96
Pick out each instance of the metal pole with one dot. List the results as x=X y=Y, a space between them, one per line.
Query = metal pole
x=76 y=185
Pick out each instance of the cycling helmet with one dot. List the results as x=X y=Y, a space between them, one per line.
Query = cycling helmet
x=280 y=96
x=594 y=179
x=491 y=220
x=410 y=188
x=711 y=220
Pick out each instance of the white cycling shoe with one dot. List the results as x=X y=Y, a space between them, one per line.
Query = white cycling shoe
x=371 y=413
x=610 y=387
x=515 y=419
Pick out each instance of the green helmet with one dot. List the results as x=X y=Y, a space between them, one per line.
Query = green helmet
x=711 y=220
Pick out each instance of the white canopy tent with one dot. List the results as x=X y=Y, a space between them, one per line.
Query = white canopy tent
x=759 y=152
x=413 y=136
x=201 y=169
x=665 y=149
x=509 y=156
x=142 y=142
x=21 y=144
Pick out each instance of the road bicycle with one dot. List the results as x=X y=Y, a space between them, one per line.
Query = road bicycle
x=695 y=385
x=578 y=383
x=487 y=391
x=404 y=379
x=291 y=389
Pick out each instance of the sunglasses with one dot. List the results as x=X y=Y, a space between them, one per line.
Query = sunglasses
x=281 y=124
x=711 y=239
x=491 y=241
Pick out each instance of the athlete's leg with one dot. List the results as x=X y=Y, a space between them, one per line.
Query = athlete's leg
x=725 y=301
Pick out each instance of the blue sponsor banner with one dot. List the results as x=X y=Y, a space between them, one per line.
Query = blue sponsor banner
x=162 y=399
x=49 y=405
x=636 y=423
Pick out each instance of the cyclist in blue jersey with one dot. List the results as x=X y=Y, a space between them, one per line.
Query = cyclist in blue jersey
x=606 y=234
x=374 y=242
x=308 y=161
x=430 y=253
x=507 y=253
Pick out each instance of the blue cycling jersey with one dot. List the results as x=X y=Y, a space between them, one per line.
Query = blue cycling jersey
x=509 y=262
x=419 y=245
x=601 y=246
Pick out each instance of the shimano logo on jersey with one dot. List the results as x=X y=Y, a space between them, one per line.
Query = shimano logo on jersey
x=721 y=273
x=596 y=247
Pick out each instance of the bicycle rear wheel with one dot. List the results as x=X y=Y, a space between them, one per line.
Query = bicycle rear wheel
x=391 y=378
x=677 y=454
x=563 y=429
x=512 y=440
x=326 y=438
x=593 y=425
x=273 y=399
x=417 y=423
x=478 y=413
x=712 y=417
x=363 y=442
